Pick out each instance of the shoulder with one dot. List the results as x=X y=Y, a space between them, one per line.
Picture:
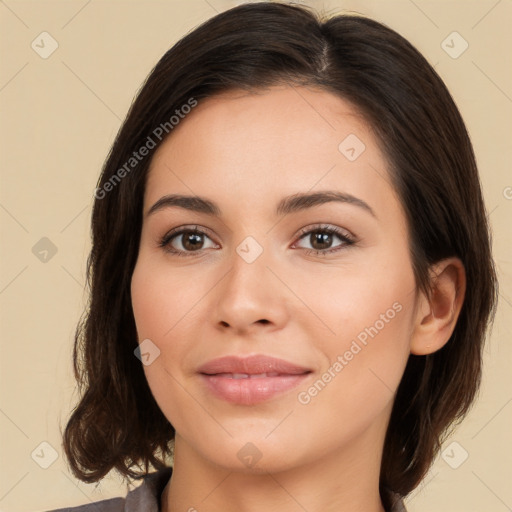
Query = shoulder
x=145 y=498
x=398 y=504
x=392 y=501
x=111 y=505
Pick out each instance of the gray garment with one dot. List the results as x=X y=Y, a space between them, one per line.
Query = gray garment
x=147 y=498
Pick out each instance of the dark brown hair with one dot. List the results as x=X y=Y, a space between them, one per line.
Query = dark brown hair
x=117 y=423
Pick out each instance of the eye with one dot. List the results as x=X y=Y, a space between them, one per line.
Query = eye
x=322 y=238
x=184 y=241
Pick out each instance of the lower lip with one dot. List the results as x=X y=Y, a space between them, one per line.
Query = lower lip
x=251 y=391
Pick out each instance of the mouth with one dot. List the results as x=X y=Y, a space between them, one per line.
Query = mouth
x=247 y=375
x=251 y=380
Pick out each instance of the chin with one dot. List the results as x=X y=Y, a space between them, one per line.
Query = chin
x=253 y=454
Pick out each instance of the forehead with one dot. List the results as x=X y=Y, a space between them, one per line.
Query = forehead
x=261 y=145
x=281 y=111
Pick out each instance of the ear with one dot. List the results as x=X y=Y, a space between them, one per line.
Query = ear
x=437 y=316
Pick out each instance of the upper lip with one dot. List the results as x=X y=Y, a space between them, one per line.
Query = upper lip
x=251 y=365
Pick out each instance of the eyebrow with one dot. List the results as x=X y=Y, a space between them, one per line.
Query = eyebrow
x=294 y=203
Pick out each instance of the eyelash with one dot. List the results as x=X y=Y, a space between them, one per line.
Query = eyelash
x=347 y=240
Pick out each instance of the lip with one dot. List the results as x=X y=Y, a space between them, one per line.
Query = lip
x=251 y=380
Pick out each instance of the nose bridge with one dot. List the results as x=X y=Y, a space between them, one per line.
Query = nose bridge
x=249 y=276
x=250 y=290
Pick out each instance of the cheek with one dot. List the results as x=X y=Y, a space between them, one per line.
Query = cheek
x=368 y=313
x=165 y=308
x=162 y=301
x=373 y=300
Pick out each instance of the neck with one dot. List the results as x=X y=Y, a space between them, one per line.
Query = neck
x=347 y=480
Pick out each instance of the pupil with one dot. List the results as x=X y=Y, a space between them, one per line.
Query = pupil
x=193 y=240
x=322 y=238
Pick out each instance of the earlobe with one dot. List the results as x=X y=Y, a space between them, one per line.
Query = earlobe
x=437 y=315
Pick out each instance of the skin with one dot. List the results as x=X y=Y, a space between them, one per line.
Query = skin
x=246 y=152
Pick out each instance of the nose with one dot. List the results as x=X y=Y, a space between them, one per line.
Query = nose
x=251 y=297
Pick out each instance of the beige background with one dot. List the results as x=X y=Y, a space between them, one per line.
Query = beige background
x=59 y=116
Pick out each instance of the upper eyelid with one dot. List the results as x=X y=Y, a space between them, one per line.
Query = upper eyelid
x=188 y=228
x=325 y=227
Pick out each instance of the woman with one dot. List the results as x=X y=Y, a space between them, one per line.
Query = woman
x=291 y=275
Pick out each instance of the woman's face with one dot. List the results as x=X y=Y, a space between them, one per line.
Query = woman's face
x=312 y=300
